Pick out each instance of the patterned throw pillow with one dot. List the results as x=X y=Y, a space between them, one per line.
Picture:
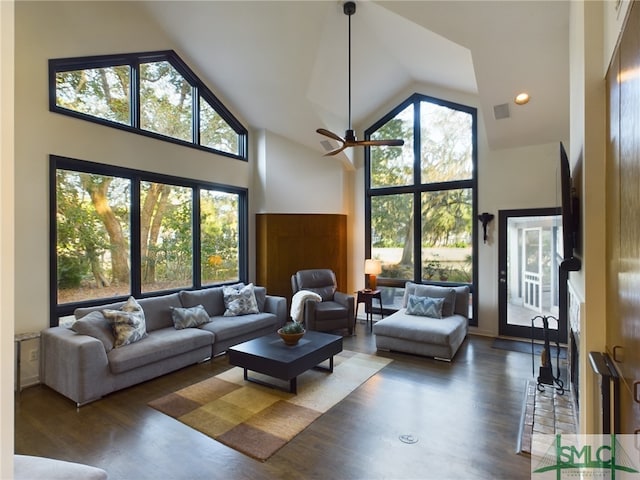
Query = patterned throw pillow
x=239 y=300
x=128 y=323
x=189 y=317
x=436 y=291
x=425 y=306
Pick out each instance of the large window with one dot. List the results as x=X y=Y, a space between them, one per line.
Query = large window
x=118 y=232
x=420 y=198
x=153 y=94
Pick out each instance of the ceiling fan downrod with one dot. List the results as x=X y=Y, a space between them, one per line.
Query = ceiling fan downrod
x=350 y=140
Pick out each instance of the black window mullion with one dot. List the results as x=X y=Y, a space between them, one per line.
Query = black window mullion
x=196 y=239
x=243 y=236
x=195 y=119
x=135 y=94
x=417 y=236
x=417 y=200
x=135 y=239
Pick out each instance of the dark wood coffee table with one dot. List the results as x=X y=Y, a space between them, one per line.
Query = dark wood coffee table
x=270 y=356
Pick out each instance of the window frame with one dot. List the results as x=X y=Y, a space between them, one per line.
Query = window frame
x=417 y=188
x=133 y=60
x=136 y=176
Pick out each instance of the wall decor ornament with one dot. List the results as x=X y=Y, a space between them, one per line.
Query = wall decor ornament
x=485 y=218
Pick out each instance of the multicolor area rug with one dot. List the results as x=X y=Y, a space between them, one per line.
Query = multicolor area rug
x=258 y=420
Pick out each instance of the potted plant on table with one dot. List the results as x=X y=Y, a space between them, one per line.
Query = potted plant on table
x=291 y=333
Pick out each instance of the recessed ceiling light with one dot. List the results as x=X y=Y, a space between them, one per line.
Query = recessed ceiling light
x=522 y=98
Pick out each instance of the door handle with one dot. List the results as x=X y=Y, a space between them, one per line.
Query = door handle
x=618 y=353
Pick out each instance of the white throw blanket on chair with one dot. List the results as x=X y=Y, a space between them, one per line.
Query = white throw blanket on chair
x=297 y=303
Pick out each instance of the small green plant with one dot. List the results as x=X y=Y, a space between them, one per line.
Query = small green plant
x=293 y=327
x=432 y=267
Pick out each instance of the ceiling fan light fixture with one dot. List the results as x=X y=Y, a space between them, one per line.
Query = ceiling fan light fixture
x=350 y=140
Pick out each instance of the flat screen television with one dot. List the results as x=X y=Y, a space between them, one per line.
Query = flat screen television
x=570 y=216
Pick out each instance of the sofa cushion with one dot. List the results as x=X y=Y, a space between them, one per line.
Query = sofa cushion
x=157 y=346
x=462 y=300
x=95 y=325
x=433 y=291
x=127 y=323
x=225 y=328
x=261 y=296
x=83 y=311
x=239 y=300
x=329 y=310
x=440 y=331
x=425 y=306
x=189 y=317
x=157 y=310
x=210 y=298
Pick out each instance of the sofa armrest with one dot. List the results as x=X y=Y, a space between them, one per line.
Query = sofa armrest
x=277 y=306
x=346 y=300
x=310 y=313
x=74 y=365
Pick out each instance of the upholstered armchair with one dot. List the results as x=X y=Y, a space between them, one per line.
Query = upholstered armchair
x=335 y=311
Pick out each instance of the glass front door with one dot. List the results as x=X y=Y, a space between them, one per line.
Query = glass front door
x=530 y=286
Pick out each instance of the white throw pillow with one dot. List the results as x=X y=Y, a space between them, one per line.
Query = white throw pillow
x=128 y=323
x=239 y=300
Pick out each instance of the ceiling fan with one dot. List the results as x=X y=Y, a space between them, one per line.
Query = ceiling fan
x=349 y=139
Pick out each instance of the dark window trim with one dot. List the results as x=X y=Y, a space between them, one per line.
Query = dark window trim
x=136 y=176
x=417 y=188
x=134 y=60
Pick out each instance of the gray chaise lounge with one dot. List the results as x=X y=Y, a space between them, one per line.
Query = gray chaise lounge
x=421 y=335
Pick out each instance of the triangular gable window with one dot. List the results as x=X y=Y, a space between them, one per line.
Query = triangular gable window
x=152 y=94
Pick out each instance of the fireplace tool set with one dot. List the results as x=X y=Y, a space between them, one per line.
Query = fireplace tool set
x=546 y=376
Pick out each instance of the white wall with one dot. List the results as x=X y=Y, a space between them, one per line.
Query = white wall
x=6 y=239
x=517 y=178
x=294 y=179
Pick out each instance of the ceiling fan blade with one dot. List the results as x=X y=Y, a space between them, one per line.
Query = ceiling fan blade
x=336 y=151
x=327 y=133
x=381 y=143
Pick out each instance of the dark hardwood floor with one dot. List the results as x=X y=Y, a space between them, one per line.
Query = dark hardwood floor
x=465 y=416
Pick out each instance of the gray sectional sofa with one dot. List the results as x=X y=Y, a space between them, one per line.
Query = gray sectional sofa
x=416 y=333
x=85 y=366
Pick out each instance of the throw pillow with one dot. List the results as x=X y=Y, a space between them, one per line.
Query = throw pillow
x=436 y=291
x=128 y=323
x=239 y=300
x=189 y=317
x=425 y=306
x=95 y=325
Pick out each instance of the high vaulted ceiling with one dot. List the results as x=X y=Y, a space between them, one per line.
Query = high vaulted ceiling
x=282 y=65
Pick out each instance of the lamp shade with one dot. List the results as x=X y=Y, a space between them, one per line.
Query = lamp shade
x=372 y=267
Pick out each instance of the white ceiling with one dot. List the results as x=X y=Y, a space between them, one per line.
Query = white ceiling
x=282 y=65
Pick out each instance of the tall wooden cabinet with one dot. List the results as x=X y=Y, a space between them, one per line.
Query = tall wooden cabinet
x=623 y=219
x=288 y=242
